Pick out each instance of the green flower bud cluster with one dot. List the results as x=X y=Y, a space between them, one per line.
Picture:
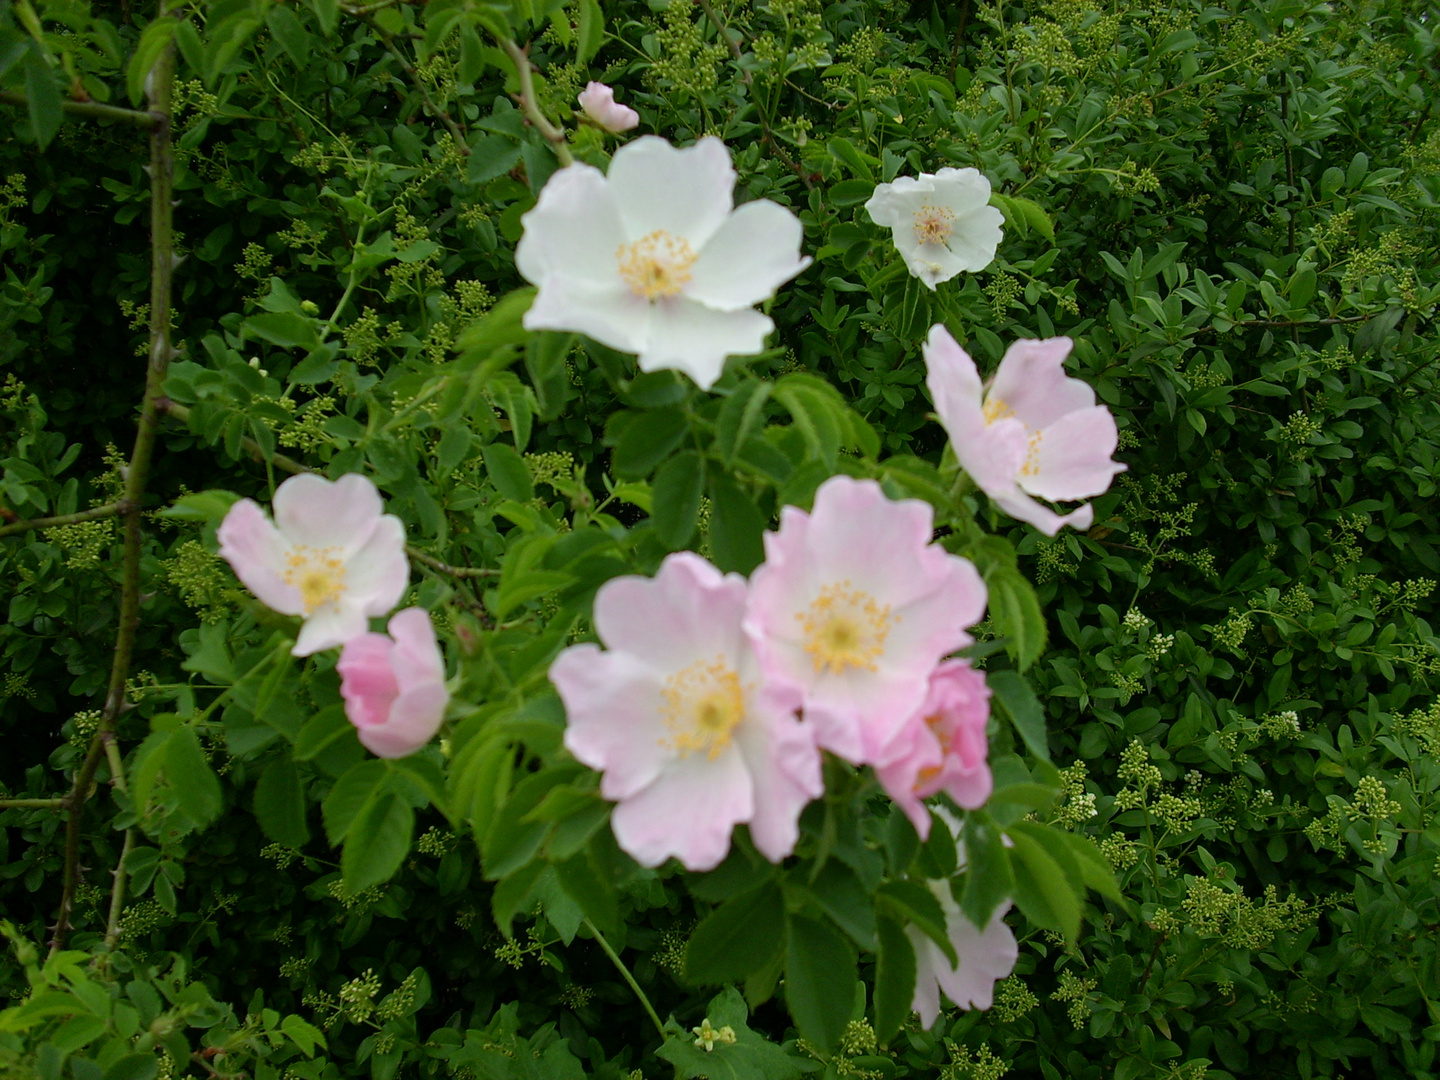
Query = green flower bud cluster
x=399 y=1002
x=197 y=577
x=1003 y=290
x=671 y=953
x=361 y=900
x=1231 y=633
x=1076 y=992
x=1078 y=805
x=1013 y=999
x=1120 y=851
x=686 y=60
x=142 y=918
x=12 y=196
x=512 y=952
x=979 y=1065
x=576 y=996
x=1282 y=725
x=357 y=996
x=280 y=855
x=1051 y=561
x=307 y=431
x=551 y=467
x=435 y=842
x=255 y=263
x=83 y=726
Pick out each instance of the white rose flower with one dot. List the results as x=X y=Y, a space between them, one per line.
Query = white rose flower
x=655 y=259
x=942 y=222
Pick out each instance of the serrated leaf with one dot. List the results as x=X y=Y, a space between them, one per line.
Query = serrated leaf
x=820 y=977
x=1042 y=890
x=190 y=776
x=508 y=472
x=280 y=804
x=737 y=938
x=152 y=43
x=377 y=842
x=894 y=979
x=42 y=98
x=675 y=497
x=591 y=33
x=736 y=527
x=351 y=794
x=1020 y=704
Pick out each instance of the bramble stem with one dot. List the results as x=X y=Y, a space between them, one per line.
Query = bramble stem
x=531 y=105
x=94 y=110
x=416 y=555
x=161 y=81
x=108 y=510
x=625 y=974
x=33 y=804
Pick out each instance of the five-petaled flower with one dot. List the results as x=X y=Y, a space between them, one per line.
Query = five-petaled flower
x=654 y=258
x=942 y=222
x=675 y=715
x=332 y=556
x=394 y=686
x=853 y=608
x=598 y=103
x=942 y=747
x=1034 y=432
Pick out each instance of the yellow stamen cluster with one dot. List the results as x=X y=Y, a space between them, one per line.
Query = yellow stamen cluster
x=317 y=573
x=996 y=408
x=656 y=265
x=845 y=628
x=704 y=703
x=934 y=224
x=1032 y=456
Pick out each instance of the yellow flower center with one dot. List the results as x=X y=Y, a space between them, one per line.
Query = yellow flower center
x=1032 y=456
x=996 y=408
x=317 y=573
x=845 y=628
x=933 y=224
x=704 y=703
x=656 y=265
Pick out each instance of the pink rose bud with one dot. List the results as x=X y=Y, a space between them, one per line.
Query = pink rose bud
x=598 y=101
x=394 y=686
x=942 y=747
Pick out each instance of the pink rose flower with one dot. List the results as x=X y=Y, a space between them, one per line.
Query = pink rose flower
x=986 y=956
x=1034 y=432
x=599 y=104
x=394 y=686
x=332 y=556
x=942 y=747
x=673 y=712
x=853 y=608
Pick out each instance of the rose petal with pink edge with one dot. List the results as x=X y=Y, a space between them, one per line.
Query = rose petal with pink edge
x=689 y=812
x=417 y=658
x=1031 y=380
x=614 y=719
x=256 y=552
x=367 y=681
x=319 y=513
x=415 y=717
x=954 y=385
x=1074 y=460
x=784 y=763
x=1023 y=508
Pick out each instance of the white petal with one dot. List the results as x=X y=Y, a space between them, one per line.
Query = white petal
x=605 y=310
x=315 y=512
x=331 y=626
x=574 y=229
x=685 y=192
x=751 y=255
x=689 y=337
x=896 y=202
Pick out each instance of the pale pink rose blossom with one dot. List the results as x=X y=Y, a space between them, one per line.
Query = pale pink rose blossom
x=332 y=556
x=654 y=257
x=853 y=608
x=675 y=715
x=394 y=686
x=1035 y=431
x=599 y=104
x=942 y=747
x=986 y=956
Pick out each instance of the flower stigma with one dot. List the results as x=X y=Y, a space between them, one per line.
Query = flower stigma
x=934 y=224
x=656 y=265
x=704 y=703
x=845 y=628
x=317 y=573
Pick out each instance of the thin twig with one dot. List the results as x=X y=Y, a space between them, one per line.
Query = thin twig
x=117 y=887
x=161 y=81
x=280 y=461
x=34 y=804
x=625 y=974
x=416 y=555
x=456 y=132
x=92 y=109
x=530 y=104
x=108 y=510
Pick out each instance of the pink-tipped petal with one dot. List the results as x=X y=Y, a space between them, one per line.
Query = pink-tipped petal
x=689 y=812
x=367 y=681
x=614 y=717
x=1074 y=461
x=256 y=552
x=415 y=717
x=598 y=102
x=417 y=656
x=1031 y=380
x=319 y=513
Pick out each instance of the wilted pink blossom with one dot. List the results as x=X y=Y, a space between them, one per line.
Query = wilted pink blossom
x=853 y=608
x=394 y=686
x=942 y=747
x=1034 y=432
x=332 y=556
x=986 y=956
x=654 y=257
x=691 y=742
x=599 y=104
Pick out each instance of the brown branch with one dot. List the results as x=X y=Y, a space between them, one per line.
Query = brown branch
x=162 y=267
x=33 y=804
x=416 y=555
x=92 y=109
x=108 y=510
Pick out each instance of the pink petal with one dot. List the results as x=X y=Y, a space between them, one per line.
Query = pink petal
x=416 y=657
x=685 y=192
x=688 y=812
x=1031 y=380
x=687 y=611
x=256 y=552
x=319 y=513
x=784 y=765
x=377 y=574
x=330 y=626
x=955 y=387
x=986 y=957
x=415 y=717
x=598 y=101
x=1023 y=508
x=367 y=681
x=1074 y=460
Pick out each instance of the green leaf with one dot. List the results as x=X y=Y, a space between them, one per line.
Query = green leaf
x=321 y=732
x=740 y=415
x=1023 y=708
x=377 y=842
x=894 y=979
x=913 y=317
x=283 y=328
x=592 y=31
x=303 y=1034
x=820 y=976
x=816 y=413
x=737 y=938
x=152 y=43
x=909 y=901
x=1042 y=889
x=286 y=29
x=1016 y=613
x=838 y=891
x=42 y=97
x=133 y=1066
x=545 y=354
x=508 y=472
x=675 y=497
x=191 y=777
x=647 y=440
x=735 y=527
x=842 y=149
x=280 y=804
x=350 y=795
x=491 y=156
x=583 y=883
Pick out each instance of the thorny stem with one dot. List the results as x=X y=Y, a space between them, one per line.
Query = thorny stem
x=416 y=555
x=108 y=510
x=94 y=110
x=745 y=76
x=625 y=974
x=162 y=267
x=531 y=105
x=34 y=804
